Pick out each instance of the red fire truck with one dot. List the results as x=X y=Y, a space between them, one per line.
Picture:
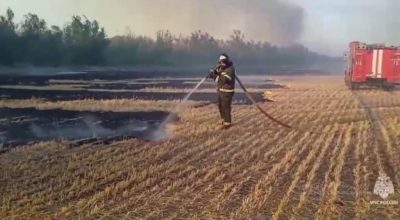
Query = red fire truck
x=373 y=65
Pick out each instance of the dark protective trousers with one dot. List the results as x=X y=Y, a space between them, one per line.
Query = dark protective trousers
x=224 y=105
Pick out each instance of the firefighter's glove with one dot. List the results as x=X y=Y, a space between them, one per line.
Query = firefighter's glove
x=212 y=73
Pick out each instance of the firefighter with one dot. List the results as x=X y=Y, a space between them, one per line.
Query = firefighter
x=224 y=75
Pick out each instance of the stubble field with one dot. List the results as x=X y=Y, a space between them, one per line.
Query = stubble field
x=324 y=168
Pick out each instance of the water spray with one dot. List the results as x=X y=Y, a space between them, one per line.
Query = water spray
x=163 y=129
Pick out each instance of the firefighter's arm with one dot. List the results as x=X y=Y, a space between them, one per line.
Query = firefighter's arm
x=213 y=74
x=226 y=75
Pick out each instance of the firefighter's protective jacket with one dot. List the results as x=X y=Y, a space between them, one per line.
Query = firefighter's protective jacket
x=225 y=77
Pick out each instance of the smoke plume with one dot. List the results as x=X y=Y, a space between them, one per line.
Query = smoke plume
x=276 y=21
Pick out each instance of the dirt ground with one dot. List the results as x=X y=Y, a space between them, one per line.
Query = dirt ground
x=326 y=167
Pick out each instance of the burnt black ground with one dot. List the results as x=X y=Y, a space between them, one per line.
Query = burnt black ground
x=111 y=82
x=21 y=126
x=24 y=125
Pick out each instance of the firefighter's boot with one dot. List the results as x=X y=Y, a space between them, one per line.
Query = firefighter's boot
x=226 y=125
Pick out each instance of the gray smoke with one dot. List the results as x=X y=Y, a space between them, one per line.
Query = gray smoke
x=277 y=21
x=272 y=20
x=86 y=127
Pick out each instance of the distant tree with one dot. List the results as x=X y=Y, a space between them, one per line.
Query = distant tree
x=203 y=46
x=8 y=39
x=33 y=26
x=141 y=50
x=131 y=50
x=33 y=43
x=8 y=20
x=85 y=42
x=55 y=49
x=236 y=45
x=163 y=47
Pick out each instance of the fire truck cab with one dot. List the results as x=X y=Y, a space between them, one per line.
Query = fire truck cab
x=372 y=65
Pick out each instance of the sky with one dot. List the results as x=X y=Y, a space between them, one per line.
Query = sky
x=324 y=26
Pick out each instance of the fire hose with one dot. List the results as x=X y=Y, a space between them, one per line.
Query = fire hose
x=256 y=104
x=259 y=107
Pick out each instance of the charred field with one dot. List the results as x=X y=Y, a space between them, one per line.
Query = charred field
x=326 y=167
x=79 y=106
x=116 y=85
x=27 y=125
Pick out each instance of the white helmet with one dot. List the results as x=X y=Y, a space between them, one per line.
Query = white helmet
x=224 y=57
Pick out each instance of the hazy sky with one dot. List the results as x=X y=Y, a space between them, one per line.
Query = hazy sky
x=322 y=25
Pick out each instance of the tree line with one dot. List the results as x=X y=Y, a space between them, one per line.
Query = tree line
x=83 y=42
